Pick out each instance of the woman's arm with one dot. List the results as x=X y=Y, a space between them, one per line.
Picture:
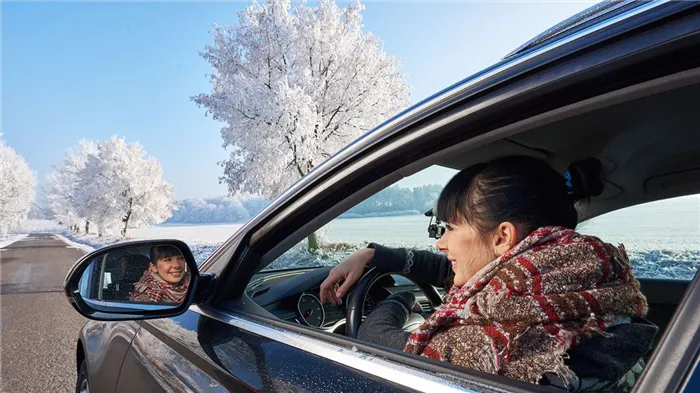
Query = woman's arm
x=419 y=265
x=384 y=326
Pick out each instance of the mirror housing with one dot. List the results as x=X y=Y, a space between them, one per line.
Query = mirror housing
x=92 y=284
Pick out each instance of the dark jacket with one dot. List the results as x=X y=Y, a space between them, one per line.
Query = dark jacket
x=607 y=363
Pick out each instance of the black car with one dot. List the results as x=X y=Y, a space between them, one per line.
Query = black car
x=619 y=82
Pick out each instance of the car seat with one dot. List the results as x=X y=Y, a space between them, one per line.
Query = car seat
x=128 y=270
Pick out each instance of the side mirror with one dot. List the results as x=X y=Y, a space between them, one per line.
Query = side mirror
x=134 y=280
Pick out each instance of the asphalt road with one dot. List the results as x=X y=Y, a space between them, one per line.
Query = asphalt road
x=39 y=327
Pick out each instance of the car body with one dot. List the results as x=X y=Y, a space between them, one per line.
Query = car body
x=227 y=337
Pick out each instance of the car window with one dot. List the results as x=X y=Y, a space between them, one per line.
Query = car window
x=662 y=238
x=392 y=217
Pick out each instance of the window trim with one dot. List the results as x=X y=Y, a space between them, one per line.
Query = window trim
x=675 y=359
x=410 y=371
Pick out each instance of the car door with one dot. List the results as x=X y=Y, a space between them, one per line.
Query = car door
x=228 y=343
x=198 y=352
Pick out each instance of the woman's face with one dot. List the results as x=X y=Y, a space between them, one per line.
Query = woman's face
x=171 y=269
x=467 y=249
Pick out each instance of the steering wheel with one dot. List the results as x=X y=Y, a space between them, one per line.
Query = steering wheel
x=356 y=298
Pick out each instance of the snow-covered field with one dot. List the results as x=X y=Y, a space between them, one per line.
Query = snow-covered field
x=199 y=233
x=661 y=238
x=9 y=239
x=202 y=239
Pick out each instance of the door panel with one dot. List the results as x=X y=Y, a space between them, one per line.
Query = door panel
x=196 y=353
x=152 y=365
x=106 y=344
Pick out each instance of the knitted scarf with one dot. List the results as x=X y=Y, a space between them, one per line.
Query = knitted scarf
x=519 y=315
x=152 y=288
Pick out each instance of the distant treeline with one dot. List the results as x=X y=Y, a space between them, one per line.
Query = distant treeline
x=393 y=201
x=217 y=209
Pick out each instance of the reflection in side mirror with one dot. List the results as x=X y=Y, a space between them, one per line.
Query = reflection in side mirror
x=151 y=275
x=134 y=280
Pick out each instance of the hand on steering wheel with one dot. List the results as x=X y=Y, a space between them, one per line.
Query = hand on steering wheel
x=347 y=272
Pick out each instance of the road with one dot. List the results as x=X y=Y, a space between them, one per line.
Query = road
x=39 y=327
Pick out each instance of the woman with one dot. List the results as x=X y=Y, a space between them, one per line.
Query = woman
x=531 y=299
x=166 y=279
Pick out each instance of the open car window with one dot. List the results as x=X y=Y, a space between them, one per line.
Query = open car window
x=392 y=217
x=662 y=238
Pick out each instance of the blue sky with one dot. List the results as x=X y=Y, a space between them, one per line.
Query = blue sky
x=93 y=70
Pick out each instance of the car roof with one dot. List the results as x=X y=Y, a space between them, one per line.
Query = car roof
x=590 y=16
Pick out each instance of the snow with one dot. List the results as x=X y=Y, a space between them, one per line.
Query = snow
x=39 y=226
x=63 y=194
x=294 y=84
x=9 y=239
x=83 y=243
x=112 y=184
x=121 y=185
x=202 y=239
x=17 y=188
x=220 y=209
x=661 y=238
x=195 y=234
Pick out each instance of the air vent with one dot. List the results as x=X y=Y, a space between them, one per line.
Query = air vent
x=425 y=304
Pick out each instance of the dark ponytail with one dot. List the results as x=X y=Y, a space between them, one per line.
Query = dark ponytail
x=519 y=189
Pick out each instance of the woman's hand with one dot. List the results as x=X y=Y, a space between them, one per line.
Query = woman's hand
x=348 y=271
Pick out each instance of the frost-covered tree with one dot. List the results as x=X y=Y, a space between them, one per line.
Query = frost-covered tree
x=121 y=187
x=64 y=195
x=41 y=208
x=294 y=84
x=17 y=183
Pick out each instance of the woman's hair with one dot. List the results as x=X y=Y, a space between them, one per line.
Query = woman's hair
x=518 y=189
x=160 y=252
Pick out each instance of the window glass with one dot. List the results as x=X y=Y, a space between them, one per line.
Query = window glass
x=662 y=238
x=392 y=217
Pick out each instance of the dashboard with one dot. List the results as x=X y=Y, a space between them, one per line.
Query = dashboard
x=293 y=295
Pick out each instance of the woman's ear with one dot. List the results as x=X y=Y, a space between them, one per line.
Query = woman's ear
x=505 y=237
x=152 y=267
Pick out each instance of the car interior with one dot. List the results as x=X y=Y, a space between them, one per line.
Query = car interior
x=127 y=270
x=650 y=150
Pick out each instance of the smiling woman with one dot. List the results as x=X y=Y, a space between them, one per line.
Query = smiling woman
x=165 y=280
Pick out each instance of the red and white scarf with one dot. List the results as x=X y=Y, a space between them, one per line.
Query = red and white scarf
x=152 y=288
x=519 y=314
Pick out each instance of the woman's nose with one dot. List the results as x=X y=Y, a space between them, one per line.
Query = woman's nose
x=441 y=244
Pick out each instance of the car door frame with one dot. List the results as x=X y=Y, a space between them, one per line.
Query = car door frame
x=622 y=59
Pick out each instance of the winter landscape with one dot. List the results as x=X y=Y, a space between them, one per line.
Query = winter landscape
x=661 y=237
x=280 y=115
x=126 y=121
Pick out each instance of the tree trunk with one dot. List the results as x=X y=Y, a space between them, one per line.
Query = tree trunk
x=126 y=219
x=313 y=241
x=126 y=222
x=87 y=227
